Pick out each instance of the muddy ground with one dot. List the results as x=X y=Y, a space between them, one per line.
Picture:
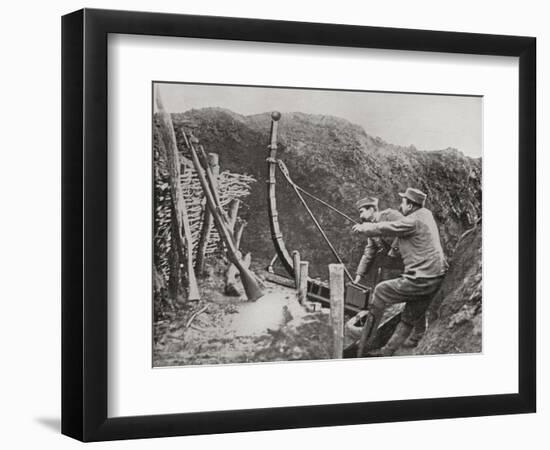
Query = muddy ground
x=221 y=329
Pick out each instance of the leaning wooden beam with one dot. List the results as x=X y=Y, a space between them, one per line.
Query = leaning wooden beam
x=179 y=207
x=209 y=176
x=213 y=162
x=248 y=279
x=336 y=281
x=232 y=279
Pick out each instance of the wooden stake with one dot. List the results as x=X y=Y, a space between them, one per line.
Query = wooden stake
x=198 y=151
x=179 y=207
x=174 y=261
x=233 y=213
x=231 y=274
x=239 y=233
x=302 y=290
x=336 y=281
x=296 y=265
x=213 y=162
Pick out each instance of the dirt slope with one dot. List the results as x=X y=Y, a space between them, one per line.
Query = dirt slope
x=455 y=316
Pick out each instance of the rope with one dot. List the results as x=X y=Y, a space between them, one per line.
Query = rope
x=345 y=216
x=286 y=174
x=284 y=169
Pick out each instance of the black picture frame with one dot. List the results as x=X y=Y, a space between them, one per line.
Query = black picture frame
x=84 y=224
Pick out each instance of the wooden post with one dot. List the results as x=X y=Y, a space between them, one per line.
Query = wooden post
x=213 y=162
x=174 y=261
x=202 y=160
x=179 y=207
x=296 y=265
x=239 y=233
x=336 y=281
x=232 y=275
x=233 y=213
x=302 y=290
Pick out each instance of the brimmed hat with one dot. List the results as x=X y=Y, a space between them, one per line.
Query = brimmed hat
x=367 y=201
x=414 y=195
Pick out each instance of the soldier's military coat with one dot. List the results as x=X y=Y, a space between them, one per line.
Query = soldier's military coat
x=383 y=248
x=425 y=264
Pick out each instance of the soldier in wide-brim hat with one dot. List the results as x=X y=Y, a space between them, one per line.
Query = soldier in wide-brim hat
x=425 y=266
x=414 y=195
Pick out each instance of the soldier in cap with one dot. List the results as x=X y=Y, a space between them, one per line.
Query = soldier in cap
x=376 y=246
x=425 y=266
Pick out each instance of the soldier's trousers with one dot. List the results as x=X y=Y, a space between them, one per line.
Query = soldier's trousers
x=417 y=293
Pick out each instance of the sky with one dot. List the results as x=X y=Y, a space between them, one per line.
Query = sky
x=429 y=122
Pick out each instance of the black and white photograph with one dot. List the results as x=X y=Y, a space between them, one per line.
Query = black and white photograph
x=274 y=225
x=300 y=224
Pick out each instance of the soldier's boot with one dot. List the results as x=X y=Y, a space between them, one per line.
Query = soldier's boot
x=397 y=339
x=416 y=335
x=368 y=334
x=413 y=339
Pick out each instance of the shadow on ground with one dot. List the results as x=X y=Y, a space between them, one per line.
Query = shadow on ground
x=52 y=423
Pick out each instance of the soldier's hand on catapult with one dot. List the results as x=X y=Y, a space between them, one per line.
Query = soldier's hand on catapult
x=359 y=228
